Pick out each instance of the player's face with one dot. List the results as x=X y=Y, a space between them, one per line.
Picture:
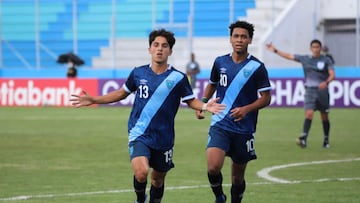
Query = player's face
x=160 y=50
x=240 y=40
x=315 y=49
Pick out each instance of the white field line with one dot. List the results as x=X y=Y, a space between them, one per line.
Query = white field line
x=262 y=173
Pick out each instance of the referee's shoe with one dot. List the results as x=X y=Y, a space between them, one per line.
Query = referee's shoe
x=301 y=141
x=326 y=143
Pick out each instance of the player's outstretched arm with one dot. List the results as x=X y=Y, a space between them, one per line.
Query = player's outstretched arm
x=212 y=106
x=283 y=54
x=208 y=93
x=79 y=100
x=85 y=99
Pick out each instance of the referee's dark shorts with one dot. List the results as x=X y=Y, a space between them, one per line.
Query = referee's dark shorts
x=316 y=99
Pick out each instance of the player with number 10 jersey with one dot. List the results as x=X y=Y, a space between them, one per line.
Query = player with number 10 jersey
x=236 y=83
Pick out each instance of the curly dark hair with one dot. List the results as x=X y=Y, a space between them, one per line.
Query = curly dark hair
x=242 y=24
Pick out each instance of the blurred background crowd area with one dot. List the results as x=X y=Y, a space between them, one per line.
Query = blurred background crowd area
x=113 y=34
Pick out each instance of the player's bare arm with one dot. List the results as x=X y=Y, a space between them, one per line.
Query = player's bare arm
x=85 y=99
x=283 y=54
x=240 y=112
x=208 y=93
x=331 y=77
x=212 y=106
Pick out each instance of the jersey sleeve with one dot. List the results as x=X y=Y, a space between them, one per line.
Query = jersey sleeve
x=262 y=79
x=330 y=63
x=299 y=58
x=214 y=76
x=186 y=90
x=130 y=84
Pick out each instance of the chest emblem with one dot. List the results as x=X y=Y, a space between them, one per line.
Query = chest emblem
x=247 y=73
x=169 y=84
x=321 y=65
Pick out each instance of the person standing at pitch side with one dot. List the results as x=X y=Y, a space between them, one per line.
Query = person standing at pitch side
x=238 y=79
x=159 y=88
x=319 y=72
x=192 y=69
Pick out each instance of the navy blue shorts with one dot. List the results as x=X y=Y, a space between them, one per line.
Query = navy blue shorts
x=160 y=161
x=239 y=147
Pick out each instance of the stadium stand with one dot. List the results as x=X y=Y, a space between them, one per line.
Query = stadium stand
x=211 y=19
x=94 y=18
x=95 y=37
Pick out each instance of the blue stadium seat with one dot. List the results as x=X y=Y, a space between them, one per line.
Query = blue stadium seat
x=133 y=19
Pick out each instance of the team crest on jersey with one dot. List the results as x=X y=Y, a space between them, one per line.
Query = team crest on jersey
x=247 y=72
x=321 y=65
x=170 y=83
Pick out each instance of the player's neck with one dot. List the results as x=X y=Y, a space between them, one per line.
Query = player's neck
x=316 y=55
x=238 y=57
x=159 y=68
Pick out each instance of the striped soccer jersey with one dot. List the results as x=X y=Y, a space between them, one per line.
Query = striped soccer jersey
x=156 y=103
x=238 y=85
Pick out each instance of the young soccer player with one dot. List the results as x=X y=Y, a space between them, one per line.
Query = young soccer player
x=242 y=84
x=159 y=88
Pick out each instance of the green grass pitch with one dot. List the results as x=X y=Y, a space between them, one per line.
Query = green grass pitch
x=80 y=155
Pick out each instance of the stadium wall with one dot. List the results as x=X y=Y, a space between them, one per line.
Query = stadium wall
x=331 y=21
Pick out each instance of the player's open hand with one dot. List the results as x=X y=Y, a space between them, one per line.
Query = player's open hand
x=270 y=47
x=214 y=107
x=80 y=100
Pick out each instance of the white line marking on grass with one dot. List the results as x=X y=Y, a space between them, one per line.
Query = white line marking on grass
x=26 y=197
x=264 y=173
x=49 y=196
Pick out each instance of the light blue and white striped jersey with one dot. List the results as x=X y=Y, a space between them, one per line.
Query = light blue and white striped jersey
x=238 y=84
x=156 y=103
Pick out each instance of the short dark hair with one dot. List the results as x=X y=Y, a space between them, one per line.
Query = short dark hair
x=242 y=24
x=315 y=41
x=164 y=33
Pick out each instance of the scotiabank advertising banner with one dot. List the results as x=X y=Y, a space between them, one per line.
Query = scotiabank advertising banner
x=344 y=92
x=43 y=92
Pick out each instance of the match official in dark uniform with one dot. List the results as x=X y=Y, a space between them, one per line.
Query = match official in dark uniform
x=319 y=72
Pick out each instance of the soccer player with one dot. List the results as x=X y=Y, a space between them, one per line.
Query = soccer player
x=242 y=84
x=319 y=72
x=159 y=88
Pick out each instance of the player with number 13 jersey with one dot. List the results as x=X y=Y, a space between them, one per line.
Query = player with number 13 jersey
x=156 y=103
